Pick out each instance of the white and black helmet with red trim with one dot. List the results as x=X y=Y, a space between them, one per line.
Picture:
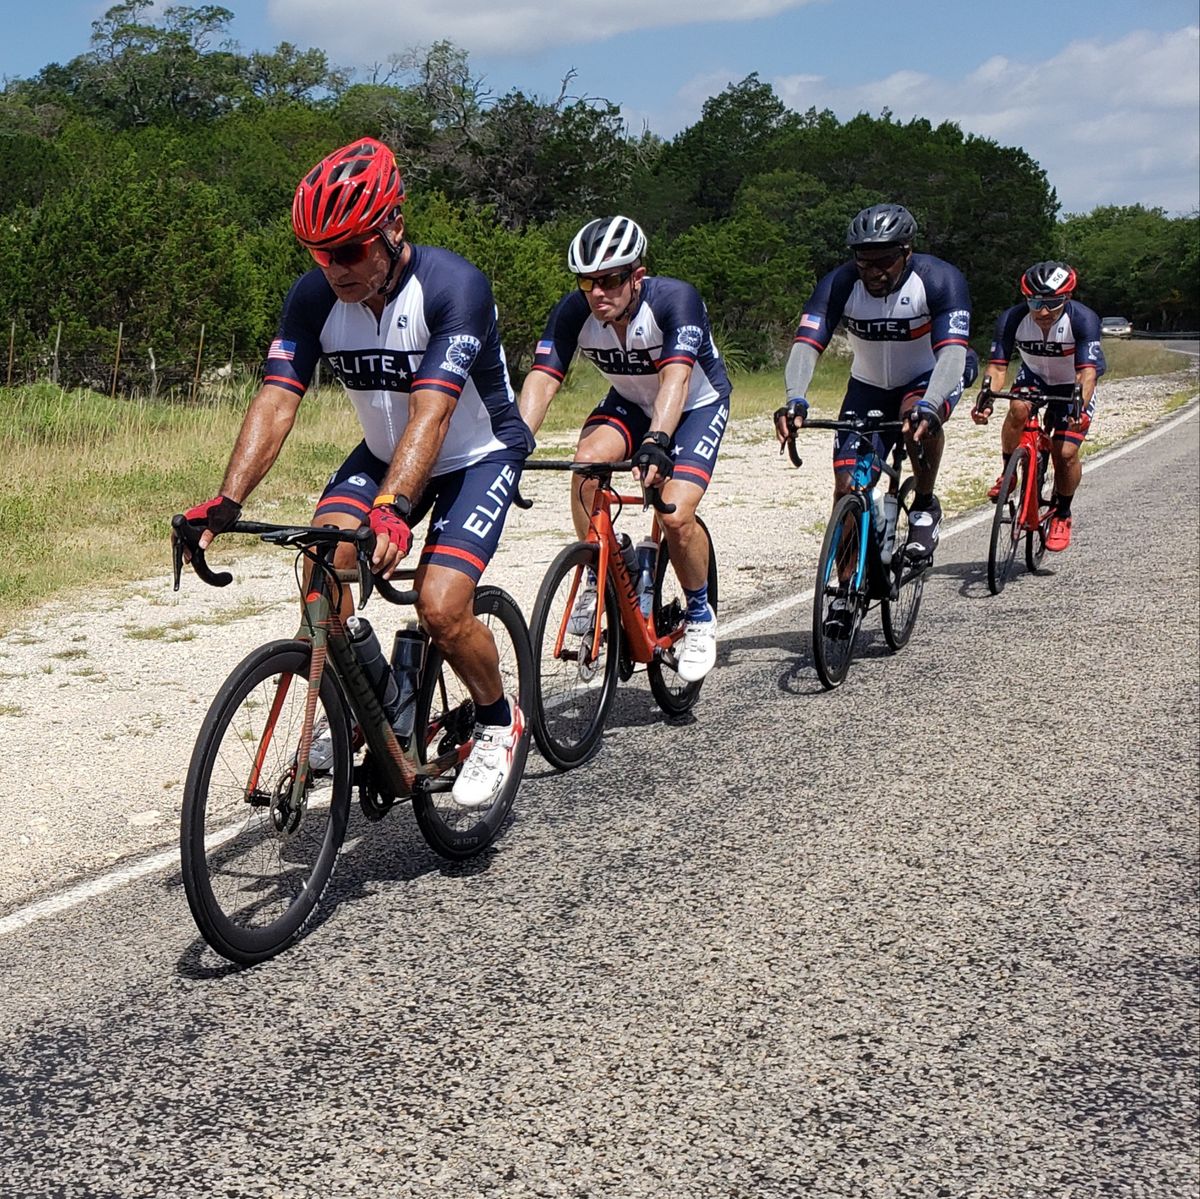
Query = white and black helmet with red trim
x=604 y=244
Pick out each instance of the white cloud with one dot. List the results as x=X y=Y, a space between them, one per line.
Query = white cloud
x=380 y=27
x=1110 y=123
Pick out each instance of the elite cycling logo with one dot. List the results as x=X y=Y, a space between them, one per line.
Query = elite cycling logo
x=372 y=370
x=461 y=354
x=621 y=362
x=887 y=328
x=484 y=516
x=1047 y=349
x=960 y=322
x=689 y=338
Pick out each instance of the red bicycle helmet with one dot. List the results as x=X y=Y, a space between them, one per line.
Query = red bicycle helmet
x=350 y=193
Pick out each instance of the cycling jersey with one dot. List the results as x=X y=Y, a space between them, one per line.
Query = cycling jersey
x=670 y=325
x=894 y=337
x=1050 y=359
x=437 y=330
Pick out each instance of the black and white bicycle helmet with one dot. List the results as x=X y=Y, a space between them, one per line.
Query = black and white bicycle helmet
x=605 y=243
x=1048 y=281
x=881 y=225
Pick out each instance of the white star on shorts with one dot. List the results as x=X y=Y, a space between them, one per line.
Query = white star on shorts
x=441 y=525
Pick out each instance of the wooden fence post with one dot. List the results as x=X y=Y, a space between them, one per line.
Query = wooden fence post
x=117 y=360
x=54 y=369
x=12 y=338
x=196 y=376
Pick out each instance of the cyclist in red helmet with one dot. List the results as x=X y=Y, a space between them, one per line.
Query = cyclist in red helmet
x=410 y=331
x=1058 y=340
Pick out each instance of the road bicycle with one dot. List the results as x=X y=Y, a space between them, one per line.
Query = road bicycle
x=576 y=668
x=1026 y=501
x=262 y=826
x=864 y=555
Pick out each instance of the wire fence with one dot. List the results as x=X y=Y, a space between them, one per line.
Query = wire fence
x=129 y=369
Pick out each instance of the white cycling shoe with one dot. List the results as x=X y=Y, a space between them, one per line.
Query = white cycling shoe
x=698 y=652
x=490 y=761
x=583 y=614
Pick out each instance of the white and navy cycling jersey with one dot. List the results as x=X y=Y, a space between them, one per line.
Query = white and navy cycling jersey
x=670 y=325
x=438 y=331
x=894 y=337
x=1049 y=360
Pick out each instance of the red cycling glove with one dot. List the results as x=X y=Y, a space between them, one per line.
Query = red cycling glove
x=216 y=515
x=385 y=521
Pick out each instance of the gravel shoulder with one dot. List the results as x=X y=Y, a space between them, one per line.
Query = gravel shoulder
x=99 y=702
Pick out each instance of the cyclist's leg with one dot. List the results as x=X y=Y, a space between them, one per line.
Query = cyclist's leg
x=697 y=441
x=344 y=503
x=1068 y=471
x=613 y=431
x=860 y=399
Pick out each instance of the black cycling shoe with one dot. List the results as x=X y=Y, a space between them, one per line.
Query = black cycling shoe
x=924 y=528
x=839 y=619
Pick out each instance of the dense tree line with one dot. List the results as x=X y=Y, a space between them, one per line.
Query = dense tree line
x=147 y=184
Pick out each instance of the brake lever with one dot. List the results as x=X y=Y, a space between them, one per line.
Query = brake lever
x=184 y=533
x=364 y=547
x=520 y=501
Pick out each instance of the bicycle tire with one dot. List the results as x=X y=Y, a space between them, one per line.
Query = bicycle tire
x=242 y=855
x=1006 y=520
x=445 y=718
x=832 y=640
x=899 y=615
x=572 y=696
x=1035 y=542
x=672 y=695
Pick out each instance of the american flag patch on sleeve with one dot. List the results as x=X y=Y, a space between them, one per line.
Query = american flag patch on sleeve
x=544 y=347
x=810 y=322
x=282 y=349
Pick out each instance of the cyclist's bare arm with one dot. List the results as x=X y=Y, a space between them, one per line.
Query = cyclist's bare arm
x=1086 y=377
x=673 y=383
x=268 y=421
x=537 y=391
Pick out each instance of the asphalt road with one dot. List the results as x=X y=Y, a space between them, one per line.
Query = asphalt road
x=934 y=934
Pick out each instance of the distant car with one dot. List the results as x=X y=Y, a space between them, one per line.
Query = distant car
x=1115 y=326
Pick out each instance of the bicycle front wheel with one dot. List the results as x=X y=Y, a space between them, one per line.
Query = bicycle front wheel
x=899 y=614
x=1006 y=521
x=841 y=597
x=1035 y=543
x=445 y=722
x=671 y=693
x=255 y=862
x=574 y=682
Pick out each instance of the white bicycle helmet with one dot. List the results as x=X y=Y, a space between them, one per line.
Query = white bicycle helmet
x=604 y=244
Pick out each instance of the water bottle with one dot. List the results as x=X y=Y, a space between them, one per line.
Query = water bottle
x=408 y=657
x=370 y=657
x=891 y=505
x=647 y=556
x=628 y=556
x=880 y=515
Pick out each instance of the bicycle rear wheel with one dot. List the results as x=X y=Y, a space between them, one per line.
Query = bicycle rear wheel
x=445 y=722
x=1006 y=521
x=254 y=864
x=841 y=597
x=670 y=692
x=899 y=615
x=1035 y=543
x=573 y=691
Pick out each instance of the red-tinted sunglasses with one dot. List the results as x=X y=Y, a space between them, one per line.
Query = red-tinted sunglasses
x=352 y=253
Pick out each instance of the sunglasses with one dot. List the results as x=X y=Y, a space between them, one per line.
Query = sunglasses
x=351 y=254
x=609 y=282
x=881 y=262
x=1038 y=302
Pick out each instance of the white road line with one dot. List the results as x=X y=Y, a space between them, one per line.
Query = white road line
x=55 y=904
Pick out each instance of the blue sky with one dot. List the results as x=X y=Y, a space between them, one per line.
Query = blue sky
x=1105 y=94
